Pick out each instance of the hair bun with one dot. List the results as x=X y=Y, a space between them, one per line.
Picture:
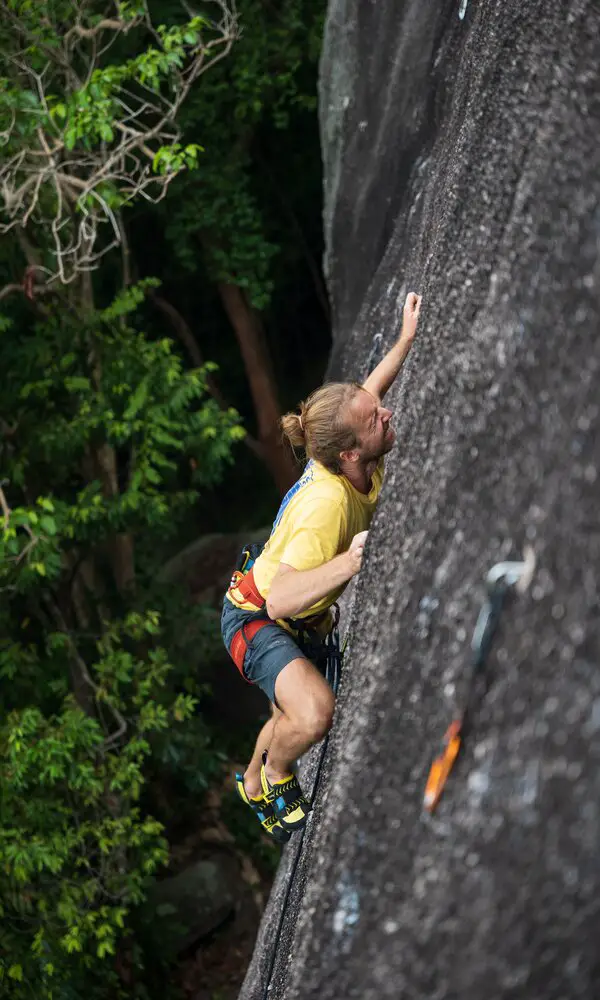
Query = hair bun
x=293 y=428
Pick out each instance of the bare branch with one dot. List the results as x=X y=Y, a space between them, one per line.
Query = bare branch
x=60 y=191
x=85 y=675
x=10 y=290
x=4 y=505
x=33 y=538
x=36 y=290
x=108 y=24
x=6 y=133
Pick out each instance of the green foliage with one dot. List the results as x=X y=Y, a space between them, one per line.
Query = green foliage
x=106 y=442
x=175 y=157
x=89 y=695
x=104 y=383
x=75 y=848
x=264 y=83
x=88 y=115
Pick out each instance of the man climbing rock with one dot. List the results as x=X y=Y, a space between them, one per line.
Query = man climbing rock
x=276 y=613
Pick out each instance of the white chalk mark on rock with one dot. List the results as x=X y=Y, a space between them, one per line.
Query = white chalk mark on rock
x=479 y=782
x=462 y=10
x=347 y=913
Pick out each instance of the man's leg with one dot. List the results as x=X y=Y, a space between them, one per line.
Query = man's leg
x=307 y=703
x=265 y=737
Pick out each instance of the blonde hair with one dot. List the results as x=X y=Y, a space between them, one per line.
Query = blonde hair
x=321 y=428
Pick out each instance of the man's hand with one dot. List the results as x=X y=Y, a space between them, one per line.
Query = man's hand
x=410 y=317
x=293 y=590
x=355 y=552
x=381 y=378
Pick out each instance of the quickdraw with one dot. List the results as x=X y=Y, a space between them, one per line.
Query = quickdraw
x=500 y=579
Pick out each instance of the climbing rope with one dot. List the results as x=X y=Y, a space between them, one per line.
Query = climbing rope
x=333 y=673
x=499 y=581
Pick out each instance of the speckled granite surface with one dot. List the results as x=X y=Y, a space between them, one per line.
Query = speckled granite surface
x=462 y=154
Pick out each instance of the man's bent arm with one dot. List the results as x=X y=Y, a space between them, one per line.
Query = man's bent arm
x=382 y=377
x=294 y=591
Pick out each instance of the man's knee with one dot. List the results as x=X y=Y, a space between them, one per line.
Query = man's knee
x=316 y=718
x=306 y=700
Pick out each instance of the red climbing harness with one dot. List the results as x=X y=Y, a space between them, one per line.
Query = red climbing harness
x=241 y=639
x=246 y=591
x=243 y=591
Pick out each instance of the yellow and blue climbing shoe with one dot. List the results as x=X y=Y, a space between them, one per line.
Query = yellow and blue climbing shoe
x=290 y=805
x=264 y=811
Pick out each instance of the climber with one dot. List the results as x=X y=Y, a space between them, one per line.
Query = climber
x=276 y=612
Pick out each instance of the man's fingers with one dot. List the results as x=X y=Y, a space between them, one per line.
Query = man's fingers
x=412 y=303
x=357 y=546
x=359 y=540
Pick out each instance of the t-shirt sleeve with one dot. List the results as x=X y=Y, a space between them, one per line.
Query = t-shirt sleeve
x=316 y=536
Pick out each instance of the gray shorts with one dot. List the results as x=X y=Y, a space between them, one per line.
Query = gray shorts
x=271 y=649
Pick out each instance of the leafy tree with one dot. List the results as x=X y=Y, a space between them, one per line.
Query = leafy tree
x=105 y=441
x=223 y=216
x=86 y=686
x=84 y=135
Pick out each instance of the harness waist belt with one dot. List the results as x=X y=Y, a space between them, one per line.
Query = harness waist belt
x=243 y=590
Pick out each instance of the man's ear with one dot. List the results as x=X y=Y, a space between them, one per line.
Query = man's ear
x=350 y=456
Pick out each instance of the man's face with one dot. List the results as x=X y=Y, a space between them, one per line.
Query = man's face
x=371 y=422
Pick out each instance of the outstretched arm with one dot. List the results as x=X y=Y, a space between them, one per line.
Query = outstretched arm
x=381 y=378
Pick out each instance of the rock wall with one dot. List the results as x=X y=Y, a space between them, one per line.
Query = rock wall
x=462 y=160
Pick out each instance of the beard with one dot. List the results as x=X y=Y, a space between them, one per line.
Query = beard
x=375 y=452
x=389 y=440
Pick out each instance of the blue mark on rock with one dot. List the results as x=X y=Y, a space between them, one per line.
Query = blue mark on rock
x=462 y=10
x=427 y=607
x=347 y=912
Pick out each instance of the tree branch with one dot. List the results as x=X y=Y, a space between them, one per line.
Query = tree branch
x=60 y=190
x=4 y=505
x=9 y=290
x=85 y=675
x=185 y=335
x=108 y=24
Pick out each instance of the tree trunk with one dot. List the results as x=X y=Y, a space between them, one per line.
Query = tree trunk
x=120 y=548
x=184 y=334
x=311 y=263
x=250 y=336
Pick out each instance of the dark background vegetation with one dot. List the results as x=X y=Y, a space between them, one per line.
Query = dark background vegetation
x=129 y=475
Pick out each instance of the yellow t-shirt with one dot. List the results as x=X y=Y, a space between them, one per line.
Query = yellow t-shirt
x=317 y=520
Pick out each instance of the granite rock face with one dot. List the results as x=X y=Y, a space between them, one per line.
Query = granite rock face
x=462 y=160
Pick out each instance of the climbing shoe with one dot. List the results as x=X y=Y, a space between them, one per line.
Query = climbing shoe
x=290 y=805
x=264 y=811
